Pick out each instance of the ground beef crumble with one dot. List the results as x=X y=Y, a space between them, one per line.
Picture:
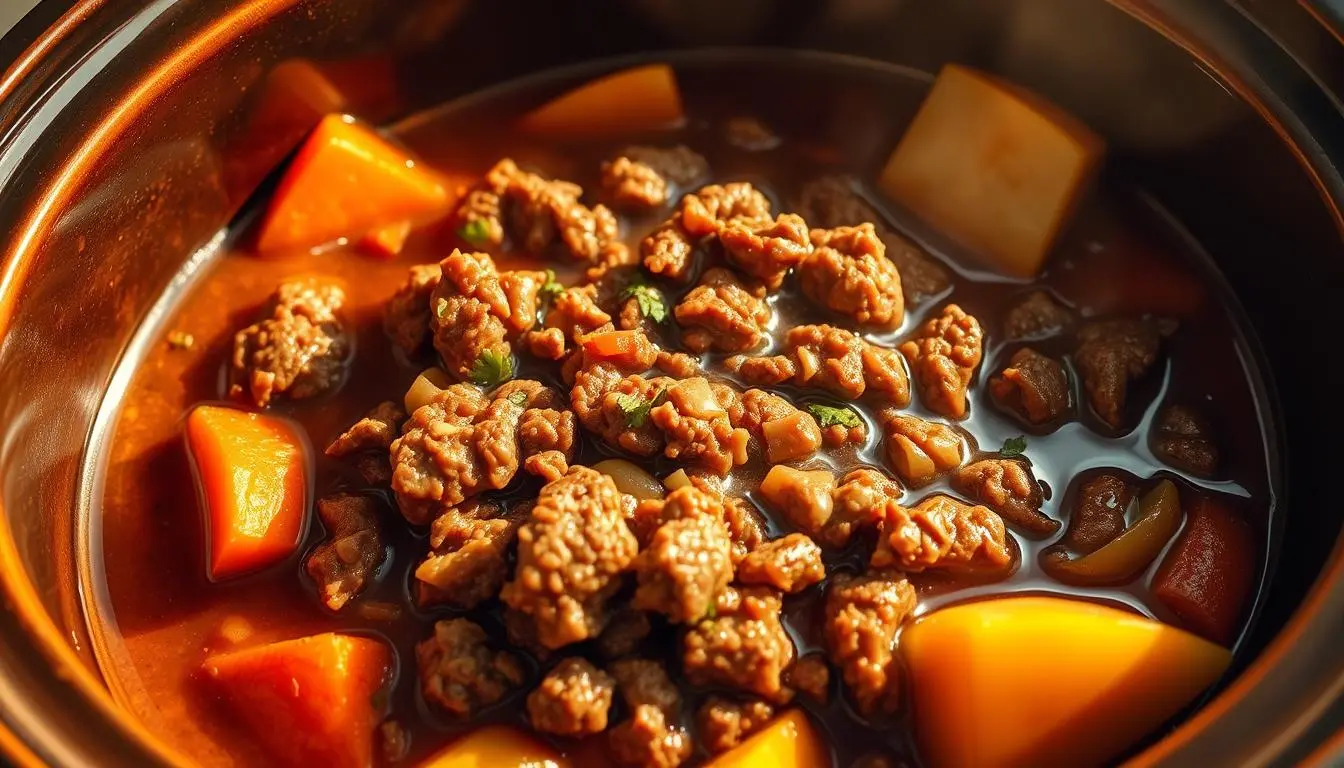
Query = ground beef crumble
x=686 y=564
x=572 y=700
x=468 y=558
x=724 y=723
x=943 y=355
x=723 y=313
x=1109 y=355
x=652 y=735
x=941 y=532
x=459 y=671
x=342 y=565
x=863 y=614
x=1008 y=487
x=406 y=314
x=744 y=646
x=1036 y=316
x=920 y=450
x=376 y=431
x=300 y=350
x=789 y=564
x=832 y=359
x=848 y=272
x=642 y=178
x=1033 y=387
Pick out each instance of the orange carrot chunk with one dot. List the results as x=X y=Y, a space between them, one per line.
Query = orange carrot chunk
x=497 y=746
x=1207 y=576
x=621 y=347
x=640 y=99
x=310 y=701
x=386 y=242
x=252 y=475
x=789 y=741
x=347 y=180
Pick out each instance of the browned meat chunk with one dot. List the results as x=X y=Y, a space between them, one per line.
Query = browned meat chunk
x=522 y=295
x=343 y=564
x=547 y=344
x=571 y=552
x=1007 y=487
x=652 y=735
x=474 y=310
x=1098 y=516
x=376 y=431
x=744 y=526
x=617 y=408
x=576 y=314
x=943 y=533
x=811 y=677
x=624 y=633
x=706 y=211
x=790 y=564
x=1182 y=438
x=848 y=272
x=724 y=724
x=921 y=450
x=863 y=614
x=465 y=332
x=468 y=559
x=460 y=673
x=697 y=428
x=538 y=215
x=723 y=314
x=298 y=351
x=1037 y=316
x=572 y=700
x=744 y=646
x=645 y=683
x=943 y=355
x=456 y=446
x=678 y=365
x=669 y=251
x=1110 y=354
x=1033 y=386
x=787 y=433
x=406 y=315
x=857 y=503
x=766 y=251
x=750 y=134
x=832 y=359
x=685 y=566
x=641 y=177
x=547 y=430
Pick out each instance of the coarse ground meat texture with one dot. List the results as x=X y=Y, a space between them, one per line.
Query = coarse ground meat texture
x=624 y=633
x=766 y=250
x=538 y=215
x=792 y=434
x=375 y=431
x=575 y=312
x=1033 y=387
x=697 y=428
x=474 y=310
x=609 y=404
x=789 y=564
x=1036 y=316
x=644 y=683
x=572 y=699
x=652 y=735
x=298 y=351
x=456 y=446
x=678 y=365
x=459 y=671
x=543 y=430
x=745 y=528
x=1109 y=355
x=466 y=331
x=829 y=358
x=921 y=450
x=1182 y=438
x=848 y=272
x=706 y=211
x=1098 y=516
x=863 y=614
x=943 y=355
x=343 y=564
x=744 y=521
x=831 y=201
x=685 y=566
x=811 y=677
x=856 y=503
x=406 y=314
x=669 y=251
x=522 y=294
x=744 y=646
x=1008 y=487
x=571 y=552
x=942 y=533
x=641 y=178
x=724 y=723
x=468 y=557
x=546 y=344
x=723 y=313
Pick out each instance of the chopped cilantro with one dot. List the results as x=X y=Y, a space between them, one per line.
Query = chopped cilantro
x=519 y=399
x=651 y=302
x=830 y=416
x=551 y=288
x=491 y=368
x=440 y=308
x=1013 y=446
x=636 y=408
x=476 y=232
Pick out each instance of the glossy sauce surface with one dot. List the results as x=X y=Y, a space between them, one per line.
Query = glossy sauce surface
x=1120 y=257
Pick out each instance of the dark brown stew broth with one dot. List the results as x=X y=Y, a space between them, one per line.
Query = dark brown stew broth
x=1120 y=257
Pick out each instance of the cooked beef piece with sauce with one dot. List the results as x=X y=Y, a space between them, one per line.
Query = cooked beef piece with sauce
x=697 y=428
x=848 y=272
x=1110 y=354
x=1182 y=437
x=468 y=560
x=789 y=564
x=460 y=672
x=406 y=314
x=766 y=251
x=856 y=502
x=376 y=431
x=1098 y=515
x=572 y=700
x=743 y=645
x=833 y=359
x=942 y=533
x=943 y=355
x=723 y=313
x=724 y=723
x=1036 y=316
x=624 y=633
x=652 y=734
x=863 y=614
x=475 y=310
x=669 y=251
x=685 y=565
x=1008 y=487
x=300 y=350
x=342 y=565
x=921 y=450
x=1033 y=387
x=784 y=432
x=641 y=178
x=811 y=677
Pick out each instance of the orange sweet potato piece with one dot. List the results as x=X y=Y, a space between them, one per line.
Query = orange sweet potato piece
x=310 y=701
x=347 y=180
x=639 y=99
x=252 y=475
x=789 y=741
x=497 y=746
x=1207 y=575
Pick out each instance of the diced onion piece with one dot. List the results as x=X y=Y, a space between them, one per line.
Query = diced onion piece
x=639 y=99
x=694 y=397
x=801 y=496
x=676 y=480
x=429 y=383
x=793 y=437
x=993 y=166
x=631 y=479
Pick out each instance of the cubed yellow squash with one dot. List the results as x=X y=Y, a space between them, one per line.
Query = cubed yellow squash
x=994 y=167
x=640 y=99
x=1042 y=681
x=789 y=741
x=496 y=746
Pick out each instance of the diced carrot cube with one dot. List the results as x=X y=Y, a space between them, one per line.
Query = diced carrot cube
x=789 y=741
x=347 y=180
x=1207 y=575
x=309 y=701
x=640 y=99
x=252 y=473
x=497 y=746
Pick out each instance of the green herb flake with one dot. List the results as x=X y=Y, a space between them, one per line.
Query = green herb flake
x=440 y=308
x=651 y=302
x=832 y=416
x=491 y=368
x=1013 y=446
x=636 y=408
x=475 y=232
x=551 y=288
